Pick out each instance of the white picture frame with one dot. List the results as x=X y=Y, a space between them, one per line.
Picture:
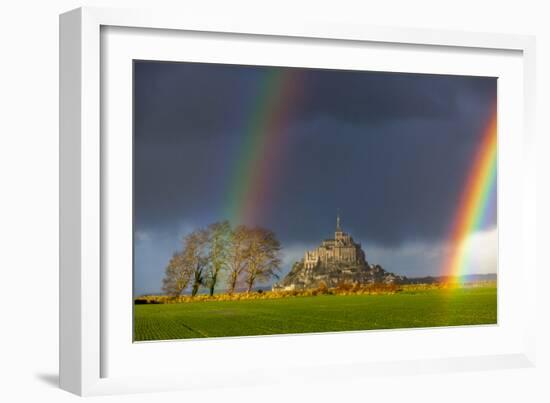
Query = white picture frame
x=86 y=302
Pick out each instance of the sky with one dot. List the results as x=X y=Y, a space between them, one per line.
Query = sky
x=284 y=148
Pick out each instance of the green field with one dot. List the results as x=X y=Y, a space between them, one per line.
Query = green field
x=327 y=313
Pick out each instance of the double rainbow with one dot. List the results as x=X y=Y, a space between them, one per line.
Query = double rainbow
x=475 y=201
x=254 y=176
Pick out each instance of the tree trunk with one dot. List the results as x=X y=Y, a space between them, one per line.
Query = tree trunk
x=197 y=280
x=250 y=283
x=213 y=284
x=195 y=289
x=232 y=283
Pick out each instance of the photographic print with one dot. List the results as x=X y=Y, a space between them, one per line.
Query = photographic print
x=281 y=200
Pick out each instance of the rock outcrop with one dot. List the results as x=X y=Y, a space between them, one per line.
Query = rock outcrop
x=333 y=274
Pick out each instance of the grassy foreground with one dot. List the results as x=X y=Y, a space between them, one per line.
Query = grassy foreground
x=323 y=313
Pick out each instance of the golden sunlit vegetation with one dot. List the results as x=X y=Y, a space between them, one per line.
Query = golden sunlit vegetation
x=341 y=289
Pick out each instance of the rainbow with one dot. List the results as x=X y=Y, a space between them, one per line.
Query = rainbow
x=475 y=201
x=253 y=176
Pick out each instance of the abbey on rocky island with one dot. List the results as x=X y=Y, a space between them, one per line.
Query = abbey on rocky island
x=335 y=261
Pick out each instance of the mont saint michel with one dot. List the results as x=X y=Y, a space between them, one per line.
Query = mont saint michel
x=335 y=261
x=239 y=171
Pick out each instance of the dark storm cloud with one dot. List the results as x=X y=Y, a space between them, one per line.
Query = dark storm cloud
x=357 y=98
x=391 y=189
x=206 y=99
x=194 y=100
x=390 y=150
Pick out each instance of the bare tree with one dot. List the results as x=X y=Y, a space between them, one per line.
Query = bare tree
x=218 y=244
x=253 y=254
x=237 y=255
x=177 y=275
x=263 y=256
